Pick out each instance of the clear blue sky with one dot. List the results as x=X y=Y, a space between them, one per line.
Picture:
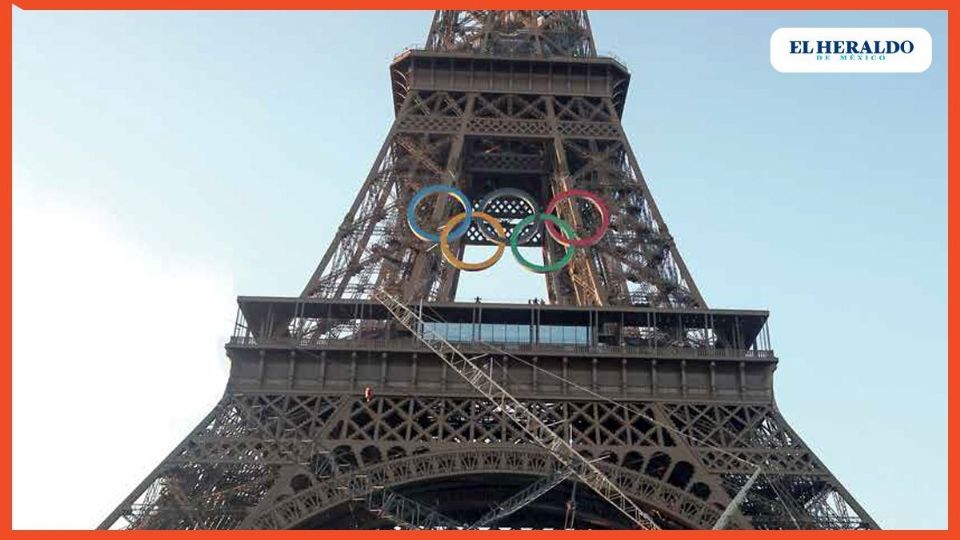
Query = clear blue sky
x=239 y=140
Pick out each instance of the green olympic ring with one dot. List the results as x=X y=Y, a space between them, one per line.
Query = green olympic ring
x=543 y=269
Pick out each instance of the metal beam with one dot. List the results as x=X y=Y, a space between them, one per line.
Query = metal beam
x=522 y=498
x=408 y=513
x=533 y=425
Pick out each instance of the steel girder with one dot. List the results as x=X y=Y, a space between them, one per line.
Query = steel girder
x=637 y=262
x=270 y=460
x=523 y=98
x=512 y=33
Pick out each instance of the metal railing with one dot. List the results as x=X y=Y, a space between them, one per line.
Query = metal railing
x=420 y=47
x=406 y=344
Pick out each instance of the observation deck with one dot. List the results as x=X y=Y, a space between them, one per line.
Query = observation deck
x=624 y=352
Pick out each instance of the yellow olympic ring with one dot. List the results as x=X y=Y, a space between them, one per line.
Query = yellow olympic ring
x=472 y=267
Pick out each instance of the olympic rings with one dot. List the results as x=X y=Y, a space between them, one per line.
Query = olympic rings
x=472 y=267
x=439 y=188
x=556 y=228
x=550 y=219
x=519 y=194
x=570 y=240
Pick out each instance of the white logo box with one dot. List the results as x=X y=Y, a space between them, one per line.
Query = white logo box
x=819 y=50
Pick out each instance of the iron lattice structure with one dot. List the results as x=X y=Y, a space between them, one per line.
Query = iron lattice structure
x=670 y=400
x=507 y=99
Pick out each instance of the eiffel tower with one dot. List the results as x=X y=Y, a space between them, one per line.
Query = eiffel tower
x=375 y=400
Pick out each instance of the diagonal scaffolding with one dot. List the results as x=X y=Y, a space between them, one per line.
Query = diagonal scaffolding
x=735 y=504
x=408 y=513
x=533 y=425
x=522 y=498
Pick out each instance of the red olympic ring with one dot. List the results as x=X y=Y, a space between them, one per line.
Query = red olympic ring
x=578 y=242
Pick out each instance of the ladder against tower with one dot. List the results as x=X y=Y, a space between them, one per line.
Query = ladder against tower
x=624 y=397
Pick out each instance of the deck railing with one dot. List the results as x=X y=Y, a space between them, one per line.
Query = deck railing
x=411 y=344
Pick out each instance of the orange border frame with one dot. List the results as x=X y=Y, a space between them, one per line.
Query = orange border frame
x=6 y=318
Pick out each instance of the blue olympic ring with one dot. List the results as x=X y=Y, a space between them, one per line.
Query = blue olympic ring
x=459 y=231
